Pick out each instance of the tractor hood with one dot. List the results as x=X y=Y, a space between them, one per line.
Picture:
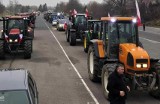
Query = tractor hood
x=134 y=50
x=135 y=58
x=14 y=31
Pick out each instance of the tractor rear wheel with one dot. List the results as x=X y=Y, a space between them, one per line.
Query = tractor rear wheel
x=2 y=53
x=155 y=92
x=27 y=49
x=106 y=71
x=72 y=38
x=93 y=66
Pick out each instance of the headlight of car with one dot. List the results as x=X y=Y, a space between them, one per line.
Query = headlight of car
x=138 y=65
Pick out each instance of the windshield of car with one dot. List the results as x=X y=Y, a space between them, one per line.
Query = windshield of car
x=16 y=24
x=14 y=97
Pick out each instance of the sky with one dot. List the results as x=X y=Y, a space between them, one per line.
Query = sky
x=49 y=2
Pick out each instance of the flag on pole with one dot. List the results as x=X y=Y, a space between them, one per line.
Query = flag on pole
x=138 y=14
x=87 y=13
x=109 y=14
x=74 y=12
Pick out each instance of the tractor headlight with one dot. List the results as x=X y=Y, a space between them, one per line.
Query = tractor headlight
x=113 y=20
x=10 y=40
x=134 y=20
x=16 y=40
x=144 y=65
x=138 y=65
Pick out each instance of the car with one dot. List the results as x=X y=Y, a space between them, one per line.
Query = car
x=17 y=86
x=61 y=24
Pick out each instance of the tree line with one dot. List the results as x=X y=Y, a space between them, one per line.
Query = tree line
x=149 y=9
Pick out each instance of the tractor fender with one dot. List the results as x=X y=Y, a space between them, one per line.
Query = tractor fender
x=98 y=47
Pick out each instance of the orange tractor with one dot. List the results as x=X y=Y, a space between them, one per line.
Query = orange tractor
x=120 y=44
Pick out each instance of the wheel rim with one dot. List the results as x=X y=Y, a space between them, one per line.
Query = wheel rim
x=105 y=79
x=85 y=42
x=91 y=62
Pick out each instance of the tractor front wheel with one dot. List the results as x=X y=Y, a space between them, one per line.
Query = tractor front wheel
x=2 y=53
x=93 y=65
x=72 y=38
x=27 y=49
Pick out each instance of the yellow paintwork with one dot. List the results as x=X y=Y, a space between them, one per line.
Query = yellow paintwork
x=137 y=53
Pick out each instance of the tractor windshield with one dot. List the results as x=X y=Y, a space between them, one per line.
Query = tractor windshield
x=80 y=19
x=120 y=32
x=16 y=24
x=124 y=30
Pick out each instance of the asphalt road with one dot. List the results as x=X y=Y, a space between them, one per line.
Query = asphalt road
x=60 y=70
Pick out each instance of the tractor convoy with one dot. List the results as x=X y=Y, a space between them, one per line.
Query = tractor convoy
x=112 y=40
x=107 y=41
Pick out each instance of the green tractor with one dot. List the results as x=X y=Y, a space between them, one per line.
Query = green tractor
x=76 y=29
x=16 y=36
x=93 y=32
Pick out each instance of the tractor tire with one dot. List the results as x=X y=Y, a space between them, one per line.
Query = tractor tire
x=2 y=53
x=156 y=92
x=85 y=44
x=27 y=49
x=72 y=39
x=67 y=35
x=106 y=71
x=93 y=65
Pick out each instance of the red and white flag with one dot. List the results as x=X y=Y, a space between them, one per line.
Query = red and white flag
x=74 y=12
x=138 y=14
x=87 y=13
x=109 y=14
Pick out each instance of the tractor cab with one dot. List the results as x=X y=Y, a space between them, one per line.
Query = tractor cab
x=119 y=30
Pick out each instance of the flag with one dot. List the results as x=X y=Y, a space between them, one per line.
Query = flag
x=138 y=14
x=109 y=15
x=87 y=13
x=74 y=12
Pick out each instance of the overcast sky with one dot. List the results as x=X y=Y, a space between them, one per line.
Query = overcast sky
x=49 y=2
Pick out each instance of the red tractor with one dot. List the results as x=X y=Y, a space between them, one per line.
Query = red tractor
x=16 y=36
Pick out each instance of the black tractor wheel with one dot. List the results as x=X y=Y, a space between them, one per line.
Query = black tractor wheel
x=85 y=44
x=72 y=38
x=27 y=49
x=93 y=66
x=2 y=53
x=106 y=71
x=67 y=35
x=155 y=92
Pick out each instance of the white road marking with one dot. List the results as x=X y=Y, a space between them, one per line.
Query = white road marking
x=152 y=41
x=80 y=77
x=152 y=32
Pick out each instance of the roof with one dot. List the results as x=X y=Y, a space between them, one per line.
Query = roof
x=15 y=17
x=94 y=20
x=117 y=18
x=80 y=14
x=13 y=80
